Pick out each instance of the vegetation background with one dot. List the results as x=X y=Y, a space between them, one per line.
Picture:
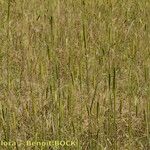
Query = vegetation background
x=75 y=69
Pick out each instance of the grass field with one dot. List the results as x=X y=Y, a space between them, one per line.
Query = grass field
x=75 y=70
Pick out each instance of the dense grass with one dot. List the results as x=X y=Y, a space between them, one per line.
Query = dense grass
x=75 y=70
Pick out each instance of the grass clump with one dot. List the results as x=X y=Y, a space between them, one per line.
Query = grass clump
x=75 y=70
